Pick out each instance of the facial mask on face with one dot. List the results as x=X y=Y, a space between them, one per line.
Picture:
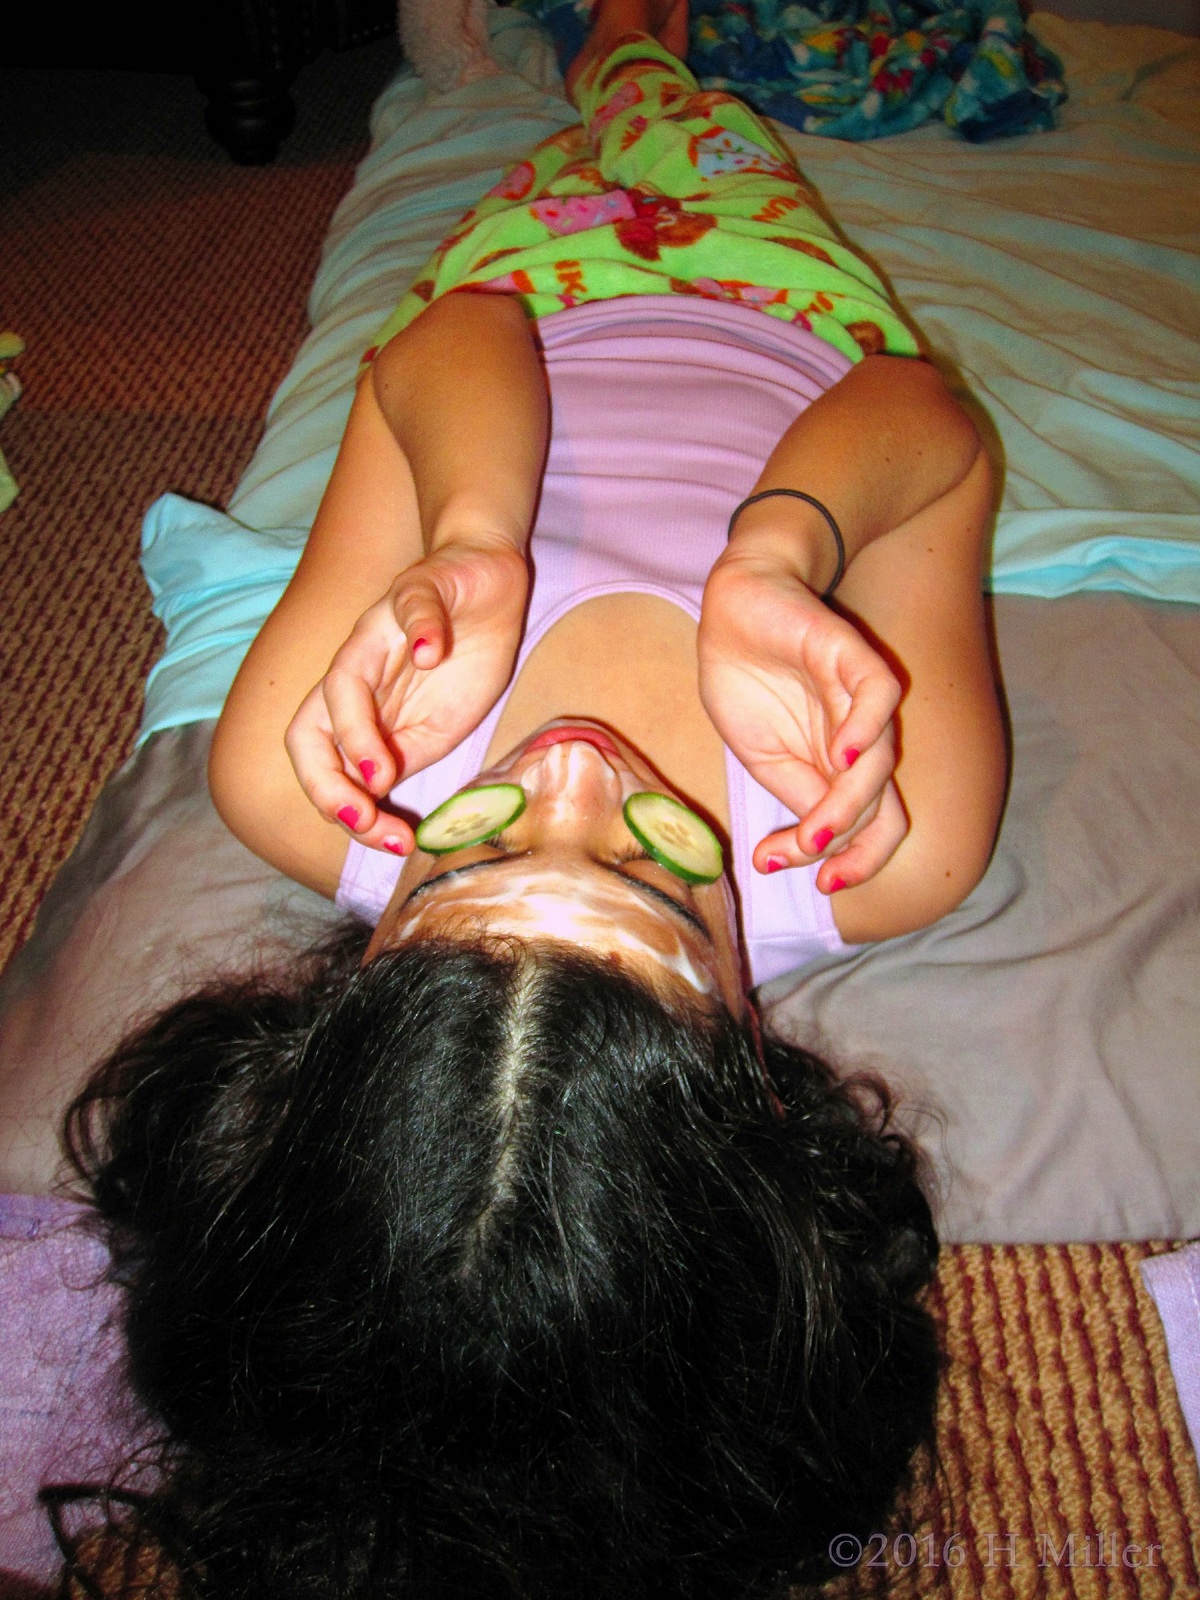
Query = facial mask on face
x=670 y=832
x=586 y=912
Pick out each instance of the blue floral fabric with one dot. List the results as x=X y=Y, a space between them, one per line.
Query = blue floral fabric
x=860 y=69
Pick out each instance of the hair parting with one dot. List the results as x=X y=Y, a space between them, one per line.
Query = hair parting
x=478 y=1270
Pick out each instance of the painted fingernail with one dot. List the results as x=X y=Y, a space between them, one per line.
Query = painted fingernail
x=368 y=770
x=837 y=883
x=852 y=756
x=396 y=846
x=349 y=815
x=776 y=863
x=822 y=840
x=417 y=643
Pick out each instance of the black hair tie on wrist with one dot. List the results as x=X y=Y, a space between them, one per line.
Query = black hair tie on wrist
x=799 y=494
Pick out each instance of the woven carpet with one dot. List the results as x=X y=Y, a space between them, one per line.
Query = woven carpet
x=161 y=293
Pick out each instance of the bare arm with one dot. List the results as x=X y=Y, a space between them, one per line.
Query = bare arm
x=918 y=591
x=442 y=455
x=901 y=467
x=883 y=444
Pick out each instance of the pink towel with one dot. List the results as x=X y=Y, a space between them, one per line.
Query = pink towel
x=66 y=1415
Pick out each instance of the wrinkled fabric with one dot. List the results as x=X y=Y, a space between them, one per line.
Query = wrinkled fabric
x=661 y=189
x=860 y=69
x=66 y=1412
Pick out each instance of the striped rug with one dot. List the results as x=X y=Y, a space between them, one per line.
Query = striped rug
x=161 y=294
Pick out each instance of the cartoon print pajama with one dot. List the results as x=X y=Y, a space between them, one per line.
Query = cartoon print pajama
x=662 y=189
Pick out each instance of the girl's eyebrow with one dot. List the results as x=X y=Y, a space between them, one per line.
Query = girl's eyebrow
x=647 y=889
x=665 y=899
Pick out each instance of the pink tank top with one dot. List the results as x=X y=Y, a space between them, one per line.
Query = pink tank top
x=663 y=413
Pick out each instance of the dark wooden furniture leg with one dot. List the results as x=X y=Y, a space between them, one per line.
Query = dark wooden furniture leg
x=247 y=53
x=248 y=114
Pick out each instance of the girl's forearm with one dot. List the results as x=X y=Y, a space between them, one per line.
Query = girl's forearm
x=464 y=393
x=458 y=452
x=883 y=444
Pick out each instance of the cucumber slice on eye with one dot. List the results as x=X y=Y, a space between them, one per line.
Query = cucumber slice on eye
x=470 y=818
x=675 y=837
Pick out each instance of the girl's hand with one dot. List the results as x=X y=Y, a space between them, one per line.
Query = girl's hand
x=420 y=671
x=806 y=705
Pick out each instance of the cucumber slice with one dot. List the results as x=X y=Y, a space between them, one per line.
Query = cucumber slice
x=470 y=817
x=676 y=838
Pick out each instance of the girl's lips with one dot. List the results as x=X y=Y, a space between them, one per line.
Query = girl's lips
x=592 y=736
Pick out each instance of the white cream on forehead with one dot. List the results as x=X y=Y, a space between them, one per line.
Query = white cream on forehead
x=588 y=912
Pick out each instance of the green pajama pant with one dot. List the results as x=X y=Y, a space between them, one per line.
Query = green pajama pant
x=662 y=189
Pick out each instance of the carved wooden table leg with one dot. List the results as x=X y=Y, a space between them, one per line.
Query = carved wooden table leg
x=248 y=114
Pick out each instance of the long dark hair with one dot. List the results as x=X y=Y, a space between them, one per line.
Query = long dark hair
x=481 y=1271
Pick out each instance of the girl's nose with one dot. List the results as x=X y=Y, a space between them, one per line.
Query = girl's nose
x=571 y=784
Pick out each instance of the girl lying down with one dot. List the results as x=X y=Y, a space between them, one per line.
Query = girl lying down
x=498 y=1252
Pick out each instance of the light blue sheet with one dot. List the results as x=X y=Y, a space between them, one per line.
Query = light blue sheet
x=1058 y=273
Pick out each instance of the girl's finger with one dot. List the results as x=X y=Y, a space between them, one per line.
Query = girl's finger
x=390 y=834
x=807 y=841
x=419 y=610
x=869 y=850
x=850 y=799
x=354 y=723
x=779 y=850
x=319 y=766
x=873 y=705
x=784 y=849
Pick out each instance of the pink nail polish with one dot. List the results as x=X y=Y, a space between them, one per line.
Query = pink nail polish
x=852 y=756
x=821 y=840
x=417 y=643
x=395 y=846
x=349 y=815
x=838 y=883
x=368 y=770
x=776 y=863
